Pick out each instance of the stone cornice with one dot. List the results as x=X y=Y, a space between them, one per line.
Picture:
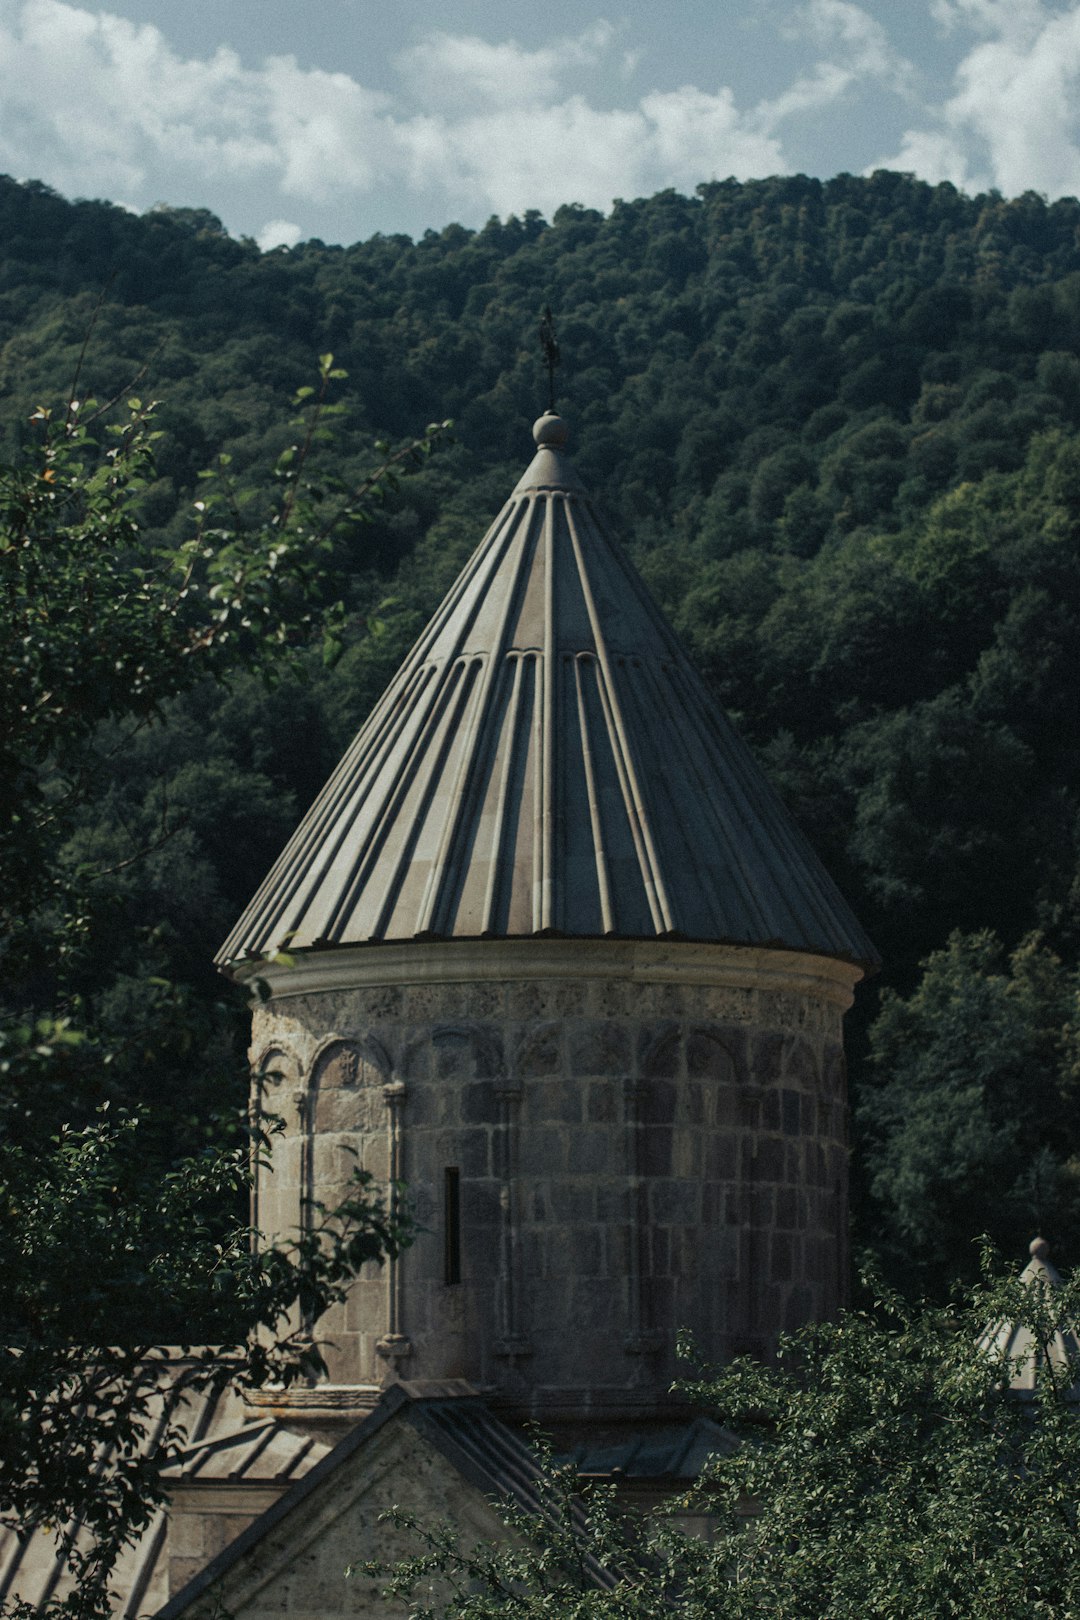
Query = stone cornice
x=532 y=960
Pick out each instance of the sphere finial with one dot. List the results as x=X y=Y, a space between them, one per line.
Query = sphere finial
x=1038 y=1248
x=550 y=431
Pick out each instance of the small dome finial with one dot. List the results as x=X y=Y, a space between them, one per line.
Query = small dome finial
x=1038 y=1248
x=550 y=431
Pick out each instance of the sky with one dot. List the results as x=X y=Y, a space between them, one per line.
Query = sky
x=293 y=119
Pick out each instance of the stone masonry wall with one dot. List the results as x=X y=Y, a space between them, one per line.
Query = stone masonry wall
x=631 y=1158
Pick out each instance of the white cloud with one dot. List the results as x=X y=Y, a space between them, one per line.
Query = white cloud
x=861 y=38
x=540 y=156
x=95 y=103
x=91 y=101
x=852 y=34
x=450 y=70
x=826 y=84
x=1013 y=121
x=278 y=233
x=1012 y=18
x=859 y=50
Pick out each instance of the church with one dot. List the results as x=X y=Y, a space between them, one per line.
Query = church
x=548 y=953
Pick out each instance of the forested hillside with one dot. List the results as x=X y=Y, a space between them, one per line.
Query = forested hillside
x=838 y=426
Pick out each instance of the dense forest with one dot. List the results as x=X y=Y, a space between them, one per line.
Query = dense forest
x=838 y=427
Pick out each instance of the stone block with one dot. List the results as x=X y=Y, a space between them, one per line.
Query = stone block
x=766 y=1057
x=560 y=1101
x=547 y=998
x=834 y=1076
x=532 y=1256
x=707 y=1057
x=427 y=1105
x=719 y=1157
x=655 y=1150
x=617 y=1250
x=599 y=1048
x=787 y=1208
x=770 y=1111
x=573 y=1202
x=675 y=1203
x=780 y=1257
x=589 y=1151
x=588 y=1252
x=416 y=1058
x=660 y=1052
x=480 y=1205
x=543 y=1150
x=730 y=1004
x=601 y=1103
x=486 y=1002
x=688 y=1153
x=612 y=1199
x=729 y=1109
x=467 y=1052
x=798 y=1308
x=612 y=998
x=658 y=1103
x=792 y=1113
x=478 y=1103
x=537 y=1051
x=769 y=1159
x=800 y=1064
x=474 y=1154
x=714 y=1210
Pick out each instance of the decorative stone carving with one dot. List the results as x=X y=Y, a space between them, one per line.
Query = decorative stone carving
x=653 y=1156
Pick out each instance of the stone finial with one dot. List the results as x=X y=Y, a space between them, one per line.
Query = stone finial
x=1038 y=1248
x=550 y=431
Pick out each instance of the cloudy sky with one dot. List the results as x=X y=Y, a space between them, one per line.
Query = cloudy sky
x=339 y=118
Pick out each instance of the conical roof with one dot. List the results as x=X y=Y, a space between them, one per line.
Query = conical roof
x=547 y=761
x=1016 y=1347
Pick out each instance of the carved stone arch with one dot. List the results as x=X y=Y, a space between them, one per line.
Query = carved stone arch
x=275 y=1078
x=537 y=1052
x=802 y=1064
x=343 y=1124
x=344 y=1074
x=711 y=1054
x=466 y=1051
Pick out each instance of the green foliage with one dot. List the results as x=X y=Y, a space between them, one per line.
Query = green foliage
x=885 y=1471
x=969 y=1107
x=836 y=423
x=114 y=1241
x=893 y=1471
x=107 y=1260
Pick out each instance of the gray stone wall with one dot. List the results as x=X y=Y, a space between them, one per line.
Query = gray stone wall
x=633 y=1158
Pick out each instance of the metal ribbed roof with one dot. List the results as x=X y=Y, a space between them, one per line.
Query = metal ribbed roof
x=1015 y=1347
x=224 y=1447
x=547 y=761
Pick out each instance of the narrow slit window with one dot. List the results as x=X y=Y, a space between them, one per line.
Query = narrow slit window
x=452 y=1224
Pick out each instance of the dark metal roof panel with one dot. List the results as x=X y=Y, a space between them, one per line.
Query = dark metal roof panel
x=223 y=1447
x=547 y=761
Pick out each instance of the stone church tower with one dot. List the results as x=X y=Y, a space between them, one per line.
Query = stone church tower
x=560 y=962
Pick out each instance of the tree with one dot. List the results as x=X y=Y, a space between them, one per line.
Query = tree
x=887 y=1470
x=110 y=1246
x=968 y=1108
